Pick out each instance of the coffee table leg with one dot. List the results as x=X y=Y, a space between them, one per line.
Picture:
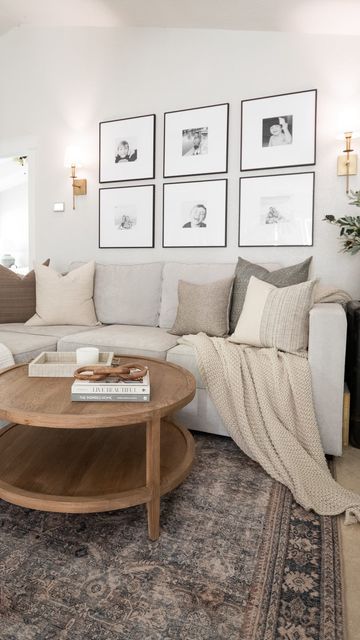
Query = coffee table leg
x=153 y=475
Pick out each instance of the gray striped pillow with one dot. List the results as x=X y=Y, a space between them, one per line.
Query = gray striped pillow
x=284 y=277
x=275 y=317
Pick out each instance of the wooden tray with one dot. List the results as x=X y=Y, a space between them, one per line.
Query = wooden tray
x=61 y=364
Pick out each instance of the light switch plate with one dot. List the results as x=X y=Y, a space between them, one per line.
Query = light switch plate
x=59 y=206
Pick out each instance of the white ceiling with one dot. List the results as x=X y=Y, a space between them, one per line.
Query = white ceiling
x=300 y=16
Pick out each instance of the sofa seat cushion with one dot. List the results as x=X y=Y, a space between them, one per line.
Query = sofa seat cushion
x=125 y=339
x=184 y=355
x=56 y=330
x=25 y=347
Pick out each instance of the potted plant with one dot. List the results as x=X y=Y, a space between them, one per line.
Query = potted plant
x=349 y=226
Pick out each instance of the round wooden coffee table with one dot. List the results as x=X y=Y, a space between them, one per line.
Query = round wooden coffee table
x=93 y=456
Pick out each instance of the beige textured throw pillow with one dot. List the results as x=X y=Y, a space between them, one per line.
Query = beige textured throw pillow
x=203 y=307
x=275 y=317
x=64 y=299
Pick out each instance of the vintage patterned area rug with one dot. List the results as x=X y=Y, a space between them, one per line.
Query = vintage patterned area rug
x=237 y=559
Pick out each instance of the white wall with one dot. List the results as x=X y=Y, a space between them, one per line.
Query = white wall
x=59 y=83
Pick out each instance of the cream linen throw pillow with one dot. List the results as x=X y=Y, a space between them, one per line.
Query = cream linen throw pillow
x=64 y=299
x=275 y=317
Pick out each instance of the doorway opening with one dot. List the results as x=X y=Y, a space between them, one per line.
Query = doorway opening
x=14 y=213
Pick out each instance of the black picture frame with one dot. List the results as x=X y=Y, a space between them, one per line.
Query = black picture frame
x=152 y=219
x=278 y=176
x=225 y=220
x=305 y=158
x=181 y=174
x=150 y=175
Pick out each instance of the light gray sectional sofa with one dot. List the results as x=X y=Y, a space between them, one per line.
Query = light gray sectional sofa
x=136 y=304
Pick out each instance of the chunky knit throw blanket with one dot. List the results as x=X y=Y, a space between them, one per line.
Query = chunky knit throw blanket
x=264 y=397
x=6 y=358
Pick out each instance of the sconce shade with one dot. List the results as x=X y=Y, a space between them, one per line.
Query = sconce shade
x=354 y=135
x=73 y=160
x=72 y=157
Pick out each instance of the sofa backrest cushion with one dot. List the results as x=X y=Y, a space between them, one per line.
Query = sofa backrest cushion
x=127 y=293
x=196 y=273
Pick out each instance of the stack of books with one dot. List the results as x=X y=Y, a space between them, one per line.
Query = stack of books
x=111 y=390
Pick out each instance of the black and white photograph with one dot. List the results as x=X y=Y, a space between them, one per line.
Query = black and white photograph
x=194 y=214
x=273 y=209
x=277 y=210
x=127 y=149
x=196 y=141
x=126 y=217
x=278 y=131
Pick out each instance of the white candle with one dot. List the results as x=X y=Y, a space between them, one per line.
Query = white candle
x=87 y=355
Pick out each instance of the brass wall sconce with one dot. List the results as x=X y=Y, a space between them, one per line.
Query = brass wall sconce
x=347 y=163
x=73 y=161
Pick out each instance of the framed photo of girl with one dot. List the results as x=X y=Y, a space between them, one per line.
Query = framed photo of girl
x=195 y=213
x=196 y=141
x=127 y=149
x=126 y=217
x=278 y=131
x=277 y=210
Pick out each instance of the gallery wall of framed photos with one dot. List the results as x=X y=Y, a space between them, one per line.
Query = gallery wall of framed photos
x=276 y=209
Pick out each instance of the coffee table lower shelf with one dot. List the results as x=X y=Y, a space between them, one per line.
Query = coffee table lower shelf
x=88 y=470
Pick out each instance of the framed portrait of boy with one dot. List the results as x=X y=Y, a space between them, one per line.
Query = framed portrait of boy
x=196 y=141
x=278 y=131
x=127 y=149
x=126 y=217
x=277 y=210
x=194 y=213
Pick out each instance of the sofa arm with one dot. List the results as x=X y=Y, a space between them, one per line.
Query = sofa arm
x=327 y=344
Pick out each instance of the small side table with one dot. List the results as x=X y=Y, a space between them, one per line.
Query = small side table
x=352 y=369
x=346 y=416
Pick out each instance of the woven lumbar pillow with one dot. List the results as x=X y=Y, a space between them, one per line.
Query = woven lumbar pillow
x=284 y=277
x=17 y=295
x=275 y=317
x=203 y=307
x=64 y=299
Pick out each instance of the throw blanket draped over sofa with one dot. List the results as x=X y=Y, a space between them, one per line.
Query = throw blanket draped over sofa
x=6 y=357
x=264 y=397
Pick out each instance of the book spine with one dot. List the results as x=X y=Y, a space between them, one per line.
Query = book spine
x=111 y=389
x=109 y=397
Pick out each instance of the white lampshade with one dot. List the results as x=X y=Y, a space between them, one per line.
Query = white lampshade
x=354 y=134
x=73 y=157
